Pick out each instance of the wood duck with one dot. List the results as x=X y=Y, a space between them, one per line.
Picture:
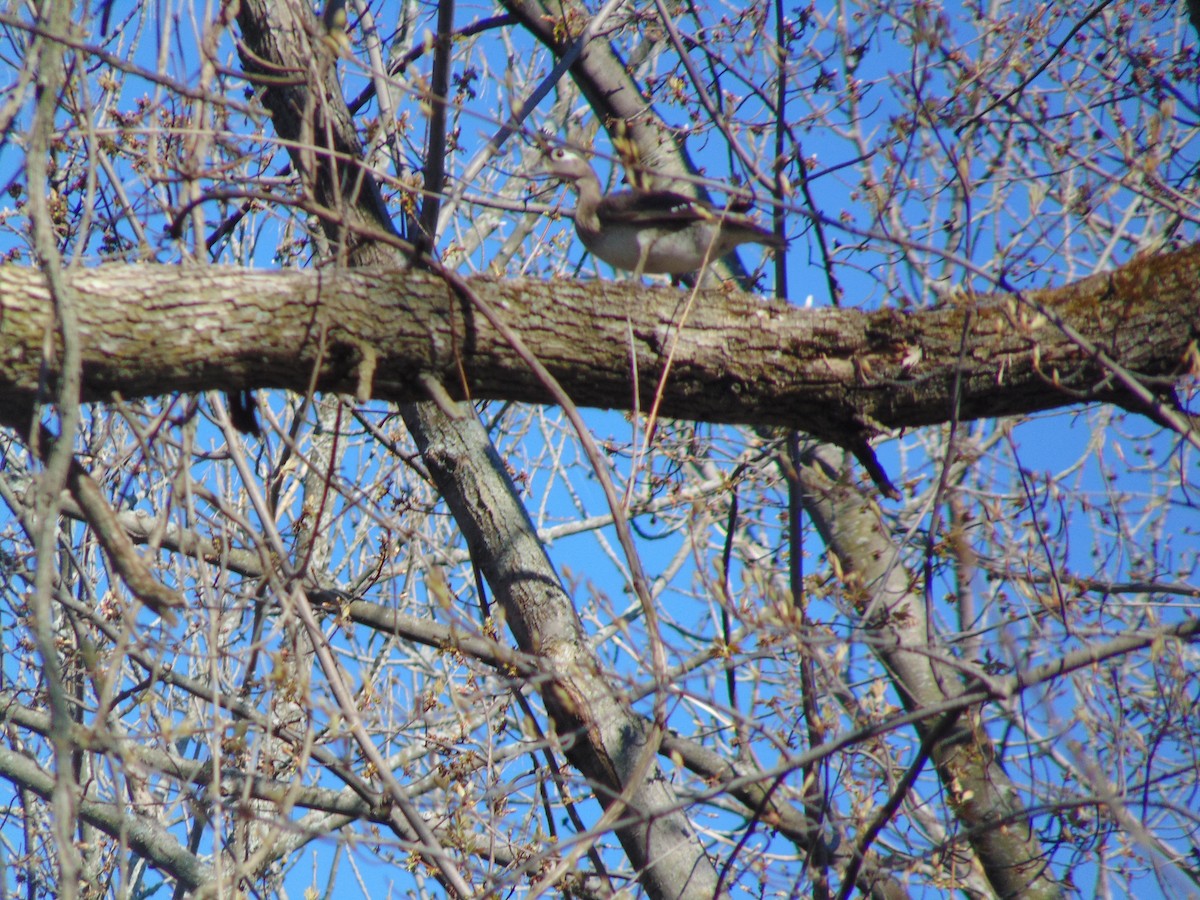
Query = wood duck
x=652 y=231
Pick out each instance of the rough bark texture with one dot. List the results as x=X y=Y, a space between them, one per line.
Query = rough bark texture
x=892 y=614
x=602 y=735
x=833 y=373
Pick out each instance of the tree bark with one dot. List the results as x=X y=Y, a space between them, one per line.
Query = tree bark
x=891 y=610
x=602 y=736
x=835 y=374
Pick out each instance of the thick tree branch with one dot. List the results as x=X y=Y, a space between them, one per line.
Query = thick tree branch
x=890 y=609
x=837 y=374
